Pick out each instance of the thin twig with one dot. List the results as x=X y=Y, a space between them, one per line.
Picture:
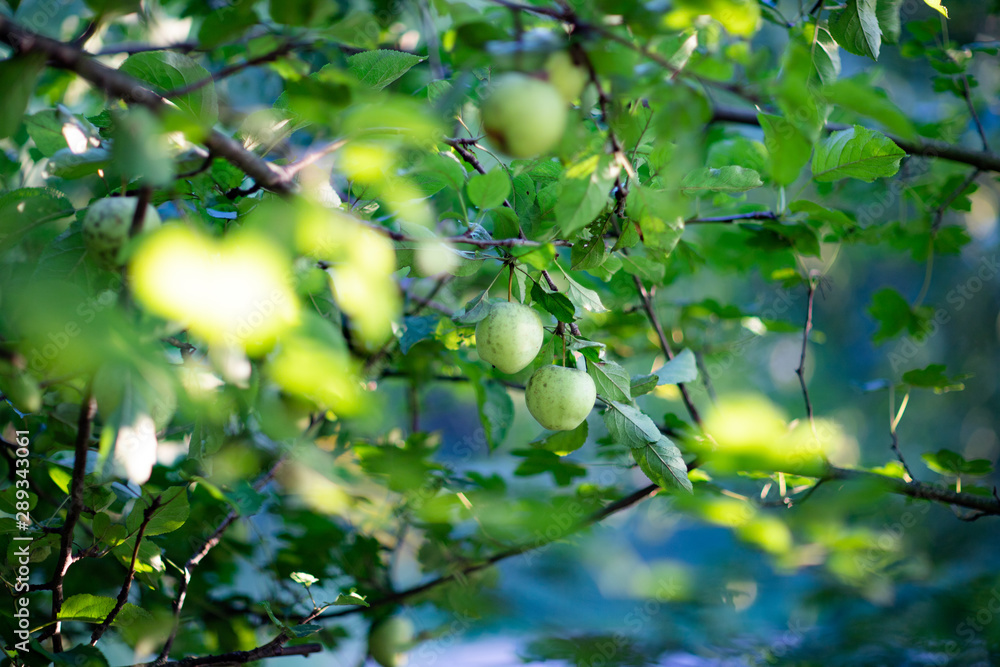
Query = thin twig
x=955 y=194
x=596 y=517
x=197 y=557
x=147 y=516
x=225 y=72
x=83 y=428
x=801 y=370
x=756 y=215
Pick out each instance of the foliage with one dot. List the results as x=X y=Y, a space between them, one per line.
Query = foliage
x=231 y=435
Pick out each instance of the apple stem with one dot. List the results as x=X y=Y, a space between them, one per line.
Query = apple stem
x=564 y=348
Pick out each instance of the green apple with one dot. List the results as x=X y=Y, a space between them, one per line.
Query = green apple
x=560 y=398
x=388 y=641
x=566 y=76
x=106 y=227
x=523 y=115
x=509 y=337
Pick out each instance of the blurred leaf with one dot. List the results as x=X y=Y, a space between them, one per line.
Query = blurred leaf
x=489 y=190
x=540 y=461
x=584 y=189
x=351 y=599
x=496 y=410
x=887 y=12
x=417 y=329
x=725 y=179
x=682 y=368
x=892 y=312
x=933 y=377
x=788 y=149
x=17 y=79
x=563 y=442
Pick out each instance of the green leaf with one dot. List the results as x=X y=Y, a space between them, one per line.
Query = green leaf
x=81 y=655
x=496 y=410
x=947 y=462
x=787 y=148
x=629 y=426
x=933 y=377
x=540 y=461
x=583 y=192
x=682 y=368
x=643 y=384
x=168 y=70
x=613 y=381
x=25 y=208
x=379 y=68
x=489 y=190
x=304 y=630
x=725 y=179
x=418 y=328
x=556 y=303
x=351 y=599
x=17 y=81
x=891 y=311
x=826 y=56
x=738 y=17
x=476 y=309
x=583 y=298
x=589 y=253
x=659 y=215
x=563 y=442
x=814 y=211
x=859 y=96
x=171 y=515
x=887 y=12
x=856 y=153
x=856 y=28
x=94 y=609
x=663 y=464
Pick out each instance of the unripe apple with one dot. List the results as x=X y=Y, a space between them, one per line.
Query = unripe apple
x=560 y=398
x=566 y=76
x=509 y=337
x=106 y=227
x=388 y=641
x=523 y=115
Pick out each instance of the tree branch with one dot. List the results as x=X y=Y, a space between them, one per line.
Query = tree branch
x=147 y=516
x=273 y=649
x=983 y=160
x=83 y=427
x=755 y=215
x=921 y=490
x=196 y=558
x=118 y=84
x=596 y=517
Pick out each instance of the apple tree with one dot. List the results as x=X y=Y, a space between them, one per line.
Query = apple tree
x=621 y=330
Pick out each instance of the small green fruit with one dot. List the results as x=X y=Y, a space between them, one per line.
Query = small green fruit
x=106 y=227
x=388 y=641
x=560 y=398
x=509 y=337
x=566 y=76
x=523 y=115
